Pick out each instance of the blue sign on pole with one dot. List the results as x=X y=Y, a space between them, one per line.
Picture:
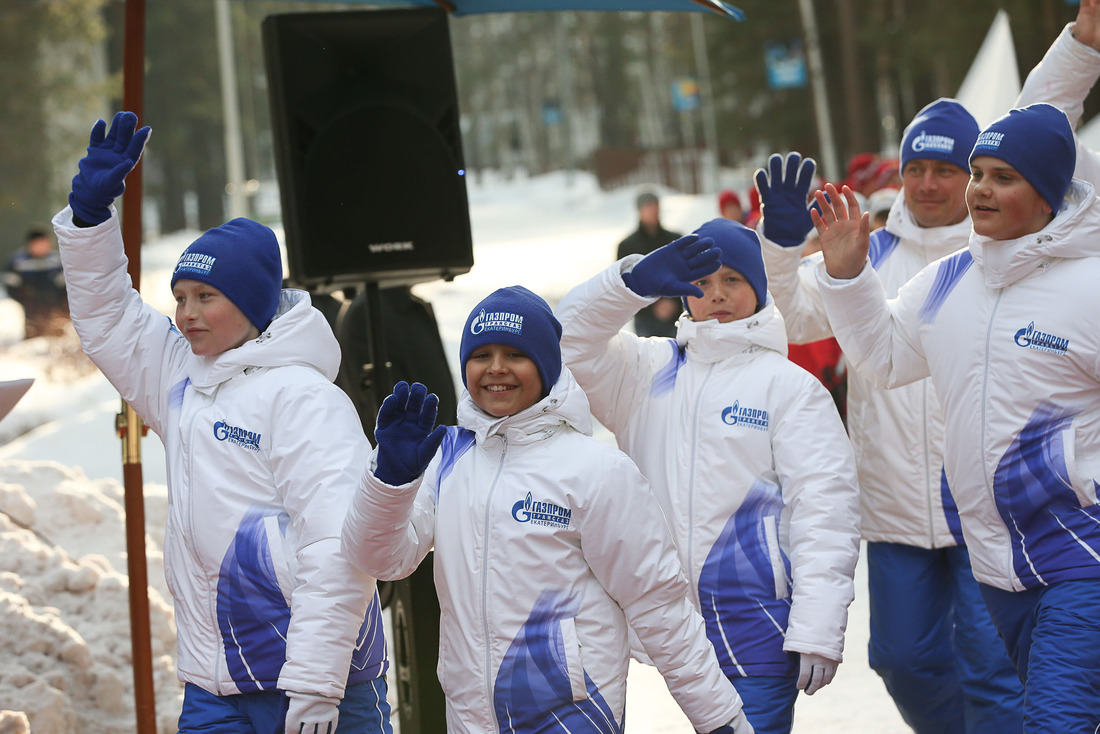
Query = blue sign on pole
x=551 y=114
x=685 y=94
x=786 y=64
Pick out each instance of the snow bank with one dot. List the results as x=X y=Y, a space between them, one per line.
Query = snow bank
x=65 y=608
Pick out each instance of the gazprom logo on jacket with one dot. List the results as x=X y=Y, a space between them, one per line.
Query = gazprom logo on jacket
x=541 y=513
x=737 y=415
x=932 y=143
x=1032 y=338
x=244 y=438
x=195 y=262
x=497 y=321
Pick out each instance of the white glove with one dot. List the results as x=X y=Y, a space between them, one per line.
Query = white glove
x=310 y=713
x=815 y=672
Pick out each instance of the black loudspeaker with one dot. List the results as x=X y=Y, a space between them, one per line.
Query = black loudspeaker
x=367 y=146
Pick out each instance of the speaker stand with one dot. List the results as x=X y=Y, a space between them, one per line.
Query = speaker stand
x=421 y=707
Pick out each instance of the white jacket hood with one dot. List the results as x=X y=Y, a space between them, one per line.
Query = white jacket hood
x=1003 y=262
x=711 y=341
x=566 y=405
x=298 y=335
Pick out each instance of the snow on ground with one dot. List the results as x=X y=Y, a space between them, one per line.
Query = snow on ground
x=63 y=590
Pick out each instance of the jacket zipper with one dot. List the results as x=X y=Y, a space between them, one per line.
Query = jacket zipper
x=690 y=554
x=927 y=467
x=193 y=546
x=485 y=583
x=985 y=411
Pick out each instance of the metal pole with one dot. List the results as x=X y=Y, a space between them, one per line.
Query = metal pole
x=231 y=116
x=829 y=162
x=565 y=94
x=129 y=425
x=706 y=99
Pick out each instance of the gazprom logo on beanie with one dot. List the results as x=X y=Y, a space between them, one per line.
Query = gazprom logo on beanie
x=497 y=321
x=194 y=263
x=988 y=141
x=926 y=142
x=942 y=131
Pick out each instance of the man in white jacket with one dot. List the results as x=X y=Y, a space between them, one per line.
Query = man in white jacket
x=275 y=627
x=744 y=449
x=548 y=543
x=1006 y=330
x=931 y=638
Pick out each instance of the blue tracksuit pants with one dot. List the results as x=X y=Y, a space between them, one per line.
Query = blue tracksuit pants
x=768 y=701
x=363 y=710
x=1053 y=635
x=934 y=644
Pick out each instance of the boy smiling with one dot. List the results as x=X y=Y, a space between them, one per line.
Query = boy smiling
x=535 y=527
x=1006 y=329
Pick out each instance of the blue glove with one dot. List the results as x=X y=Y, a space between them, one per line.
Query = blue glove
x=103 y=171
x=671 y=270
x=406 y=441
x=783 y=198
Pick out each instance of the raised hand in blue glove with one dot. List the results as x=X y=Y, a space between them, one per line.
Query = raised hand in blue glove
x=671 y=270
x=103 y=170
x=406 y=440
x=784 y=197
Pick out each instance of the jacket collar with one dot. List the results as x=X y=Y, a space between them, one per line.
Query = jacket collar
x=565 y=406
x=711 y=341
x=298 y=335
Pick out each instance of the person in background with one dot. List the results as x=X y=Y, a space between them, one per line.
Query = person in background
x=887 y=175
x=879 y=205
x=931 y=641
x=535 y=526
x=861 y=174
x=1004 y=330
x=744 y=450
x=752 y=216
x=659 y=318
x=33 y=277
x=275 y=627
x=729 y=206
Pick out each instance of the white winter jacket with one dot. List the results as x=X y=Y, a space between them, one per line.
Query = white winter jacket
x=1063 y=78
x=547 y=543
x=897 y=434
x=1007 y=330
x=749 y=459
x=263 y=456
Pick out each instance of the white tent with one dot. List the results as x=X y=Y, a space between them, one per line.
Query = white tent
x=993 y=81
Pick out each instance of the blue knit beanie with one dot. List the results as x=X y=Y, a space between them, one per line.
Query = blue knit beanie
x=1037 y=141
x=241 y=259
x=942 y=131
x=740 y=248
x=517 y=318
